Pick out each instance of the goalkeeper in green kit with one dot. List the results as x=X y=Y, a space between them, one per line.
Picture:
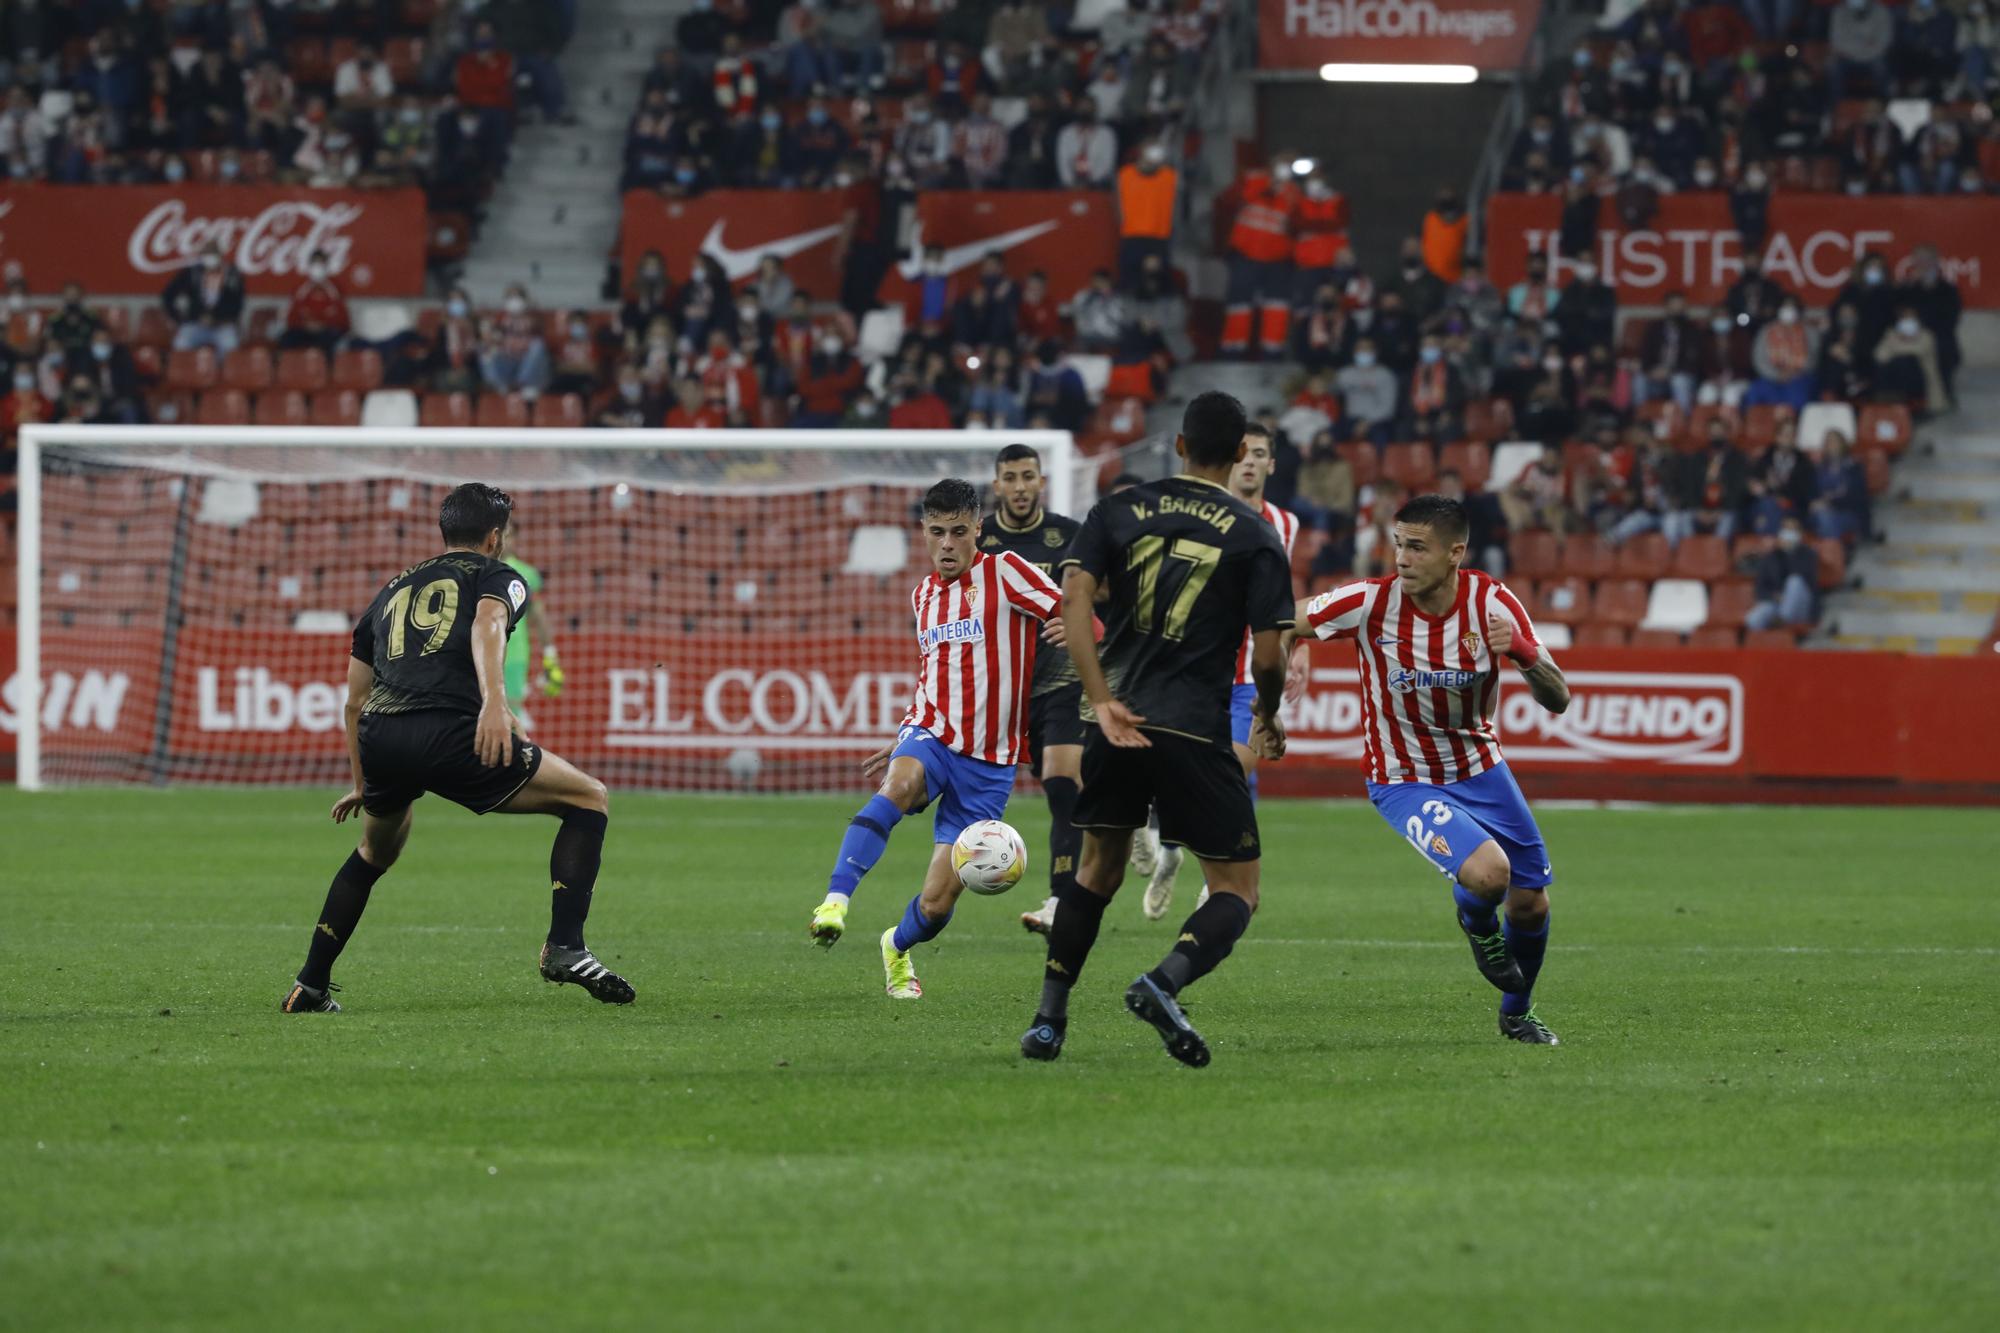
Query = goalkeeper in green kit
x=541 y=638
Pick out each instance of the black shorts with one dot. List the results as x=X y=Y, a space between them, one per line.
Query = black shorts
x=1054 y=718
x=404 y=755
x=1203 y=798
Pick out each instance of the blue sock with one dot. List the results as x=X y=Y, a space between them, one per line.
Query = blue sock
x=915 y=927
x=866 y=838
x=1479 y=916
x=1527 y=950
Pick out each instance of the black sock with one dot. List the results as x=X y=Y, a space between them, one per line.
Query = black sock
x=1079 y=913
x=1206 y=939
x=1065 y=839
x=346 y=899
x=573 y=862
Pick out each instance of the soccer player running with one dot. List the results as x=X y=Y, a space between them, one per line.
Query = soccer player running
x=1431 y=639
x=1189 y=567
x=540 y=635
x=427 y=712
x=1020 y=524
x=1161 y=861
x=977 y=618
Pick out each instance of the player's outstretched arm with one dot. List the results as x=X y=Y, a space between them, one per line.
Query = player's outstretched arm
x=1268 y=655
x=360 y=682
x=1544 y=677
x=1119 y=723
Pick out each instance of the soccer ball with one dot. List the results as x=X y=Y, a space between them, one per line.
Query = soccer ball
x=989 y=857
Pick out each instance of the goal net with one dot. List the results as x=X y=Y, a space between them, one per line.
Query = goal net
x=730 y=608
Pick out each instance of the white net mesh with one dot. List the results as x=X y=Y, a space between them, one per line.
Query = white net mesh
x=727 y=618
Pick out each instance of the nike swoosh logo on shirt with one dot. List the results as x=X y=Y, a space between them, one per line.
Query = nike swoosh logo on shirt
x=742 y=263
x=965 y=256
x=1387 y=643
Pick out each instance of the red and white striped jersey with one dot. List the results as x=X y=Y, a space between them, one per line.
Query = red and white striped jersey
x=976 y=638
x=1287 y=524
x=1428 y=683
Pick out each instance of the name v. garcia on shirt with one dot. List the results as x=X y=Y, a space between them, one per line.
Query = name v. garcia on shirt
x=952 y=631
x=1212 y=512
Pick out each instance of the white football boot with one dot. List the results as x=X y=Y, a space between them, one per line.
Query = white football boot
x=1160 y=889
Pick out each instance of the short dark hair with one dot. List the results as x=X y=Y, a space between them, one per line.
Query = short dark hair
x=1258 y=428
x=471 y=511
x=1015 y=453
x=1213 y=426
x=1440 y=513
x=1122 y=482
x=953 y=495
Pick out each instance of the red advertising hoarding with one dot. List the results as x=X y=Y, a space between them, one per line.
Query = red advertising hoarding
x=769 y=713
x=1305 y=34
x=130 y=239
x=1066 y=233
x=1816 y=240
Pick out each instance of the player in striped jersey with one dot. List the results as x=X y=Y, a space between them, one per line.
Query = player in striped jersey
x=1162 y=863
x=978 y=619
x=1431 y=640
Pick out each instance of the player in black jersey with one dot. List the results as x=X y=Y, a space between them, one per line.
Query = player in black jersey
x=1189 y=567
x=427 y=711
x=1019 y=524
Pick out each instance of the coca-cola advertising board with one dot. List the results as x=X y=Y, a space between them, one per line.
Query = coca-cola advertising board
x=130 y=239
x=769 y=713
x=1305 y=34
x=1068 y=234
x=1816 y=241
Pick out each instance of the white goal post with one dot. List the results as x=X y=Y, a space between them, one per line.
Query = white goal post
x=730 y=607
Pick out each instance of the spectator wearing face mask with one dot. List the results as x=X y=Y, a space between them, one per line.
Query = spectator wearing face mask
x=1588 y=314
x=1534 y=299
x=1873 y=298
x=1978 y=38
x=1858 y=41
x=979 y=145
x=1670 y=355
x=1445 y=229
x=1840 y=508
x=483 y=78
x=1750 y=208
x=1906 y=365
x=469 y=154
x=922 y=144
x=513 y=357
x=853 y=30
x=1054 y=389
x=1099 y=314
x=761 y=155
x=1672 y=142
x=1436 y=394
x=1784 y=356
x=1753 y=299
x=1368 y=396
x=1782 y=482
x=25 y=405
x=1146 y=190
x=403 y=153
x=1936 y=161
x=579 y=358
x=72 y=324
x=1787 y=583
x=452 y=365
x=1925 y=52
x=205 y=300
x=317 y=315
x=819 y=142
x=113 y=378
x=1086 y=151
x=630 y=404
x=1539 y=141
x=1938 y=306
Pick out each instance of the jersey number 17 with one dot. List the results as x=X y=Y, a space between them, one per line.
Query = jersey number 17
x=1148 y=556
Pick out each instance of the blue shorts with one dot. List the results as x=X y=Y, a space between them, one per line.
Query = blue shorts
x=966 y=790
x=1448 y=823
x=1241 y=699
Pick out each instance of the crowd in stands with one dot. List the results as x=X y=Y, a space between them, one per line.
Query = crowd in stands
x=1856 y=96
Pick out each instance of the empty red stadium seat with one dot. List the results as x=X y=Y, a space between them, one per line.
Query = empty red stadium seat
x=1533 y=555
x=302 y=368
x=1729 y=604
x=1562 y=601
x=357 y=368
x=1661 y=417
x=192 y=368
x=1760 y=427
x=1471 y=460
x=1619 y=602
x=1884 y=428
x=1489 y=420
x=282 y=407
x=1361 y=459
x=223 y=407
x=1656 y=638
x=1877 y=467
x=445 y=409
x=1697 y=424
x=153 y=329
x=405 y=58
x=1643 y=557
x=558 y=410
x=1600 y=636
x=1781 y=640
x=306 y=59
x=1832 y=562
x=248 y=369
x=1714 y=638
x=261 y=326
x=1588 y=557
x=1703 y=556
x=148 y=362
x=1411 y=466
x=502 y=410
x=336 y=407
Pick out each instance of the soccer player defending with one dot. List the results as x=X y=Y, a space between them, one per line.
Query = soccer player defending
x=1019 y=524
x=1162 y=862
x=540 y=635
x=1189 y=567
x=427 y=711
x=977 y=617
x=1431 y=639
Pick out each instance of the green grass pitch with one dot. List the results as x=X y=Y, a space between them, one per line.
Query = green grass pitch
x=1777 y=1104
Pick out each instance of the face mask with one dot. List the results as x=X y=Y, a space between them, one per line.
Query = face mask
x=1857 y=188
x=1620 y=68
x=482 y=43
x=24 y=382
x=1552 y=364
x=1907 y=327
x=771 y=120
x=924 y=118
x=1318 y=189
x=211 y=262
x=1364 y=359
x=1873 y=277
x=514 y=305
x=629 y=392
x=830 y=346
x=1577 y=175
x=456 y=309
x=1755 y=180
x=1539 y=136
x=317 y=272
x=1720 y=324
x=817 y=115
x=1581 y=60
x=1412 y=269
x=579 y=330
x=684 y=175
x=411 y=115
x=468 y=127
x=174 y=171
x=1788 y=537
x=1663 y=124
x=1586 y=273
x=1705 y=178
x=1788 y=316
x=1970 y=185
x=100 y=351
x=1431 y=355
x=1857 y=5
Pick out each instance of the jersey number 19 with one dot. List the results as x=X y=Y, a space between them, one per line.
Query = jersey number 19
x=433 y=610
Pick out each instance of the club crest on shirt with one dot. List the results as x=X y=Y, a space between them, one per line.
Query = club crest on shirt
x=1471 y=642
x=1052 y=537
x=991 y=540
